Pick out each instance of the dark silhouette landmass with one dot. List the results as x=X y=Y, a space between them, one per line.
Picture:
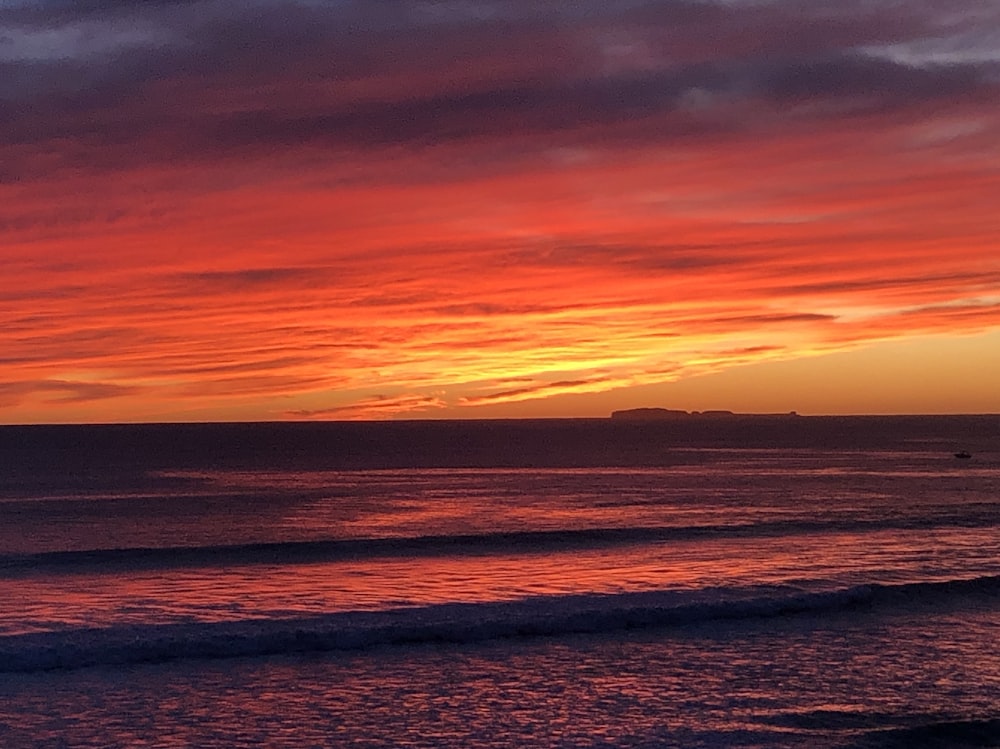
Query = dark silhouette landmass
x=656 y=414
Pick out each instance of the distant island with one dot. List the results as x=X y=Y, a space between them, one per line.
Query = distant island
x=655 y=414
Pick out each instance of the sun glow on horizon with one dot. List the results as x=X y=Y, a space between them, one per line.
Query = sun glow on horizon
x=513 y=228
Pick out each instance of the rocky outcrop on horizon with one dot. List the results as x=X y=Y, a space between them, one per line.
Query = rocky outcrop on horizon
x=652 y=414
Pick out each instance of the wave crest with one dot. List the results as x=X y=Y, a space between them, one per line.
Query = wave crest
x=454 y=623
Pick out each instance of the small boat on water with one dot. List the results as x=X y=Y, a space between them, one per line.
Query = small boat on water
x=963 y=455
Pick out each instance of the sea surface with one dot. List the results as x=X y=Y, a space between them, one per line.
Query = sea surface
x=690 y=582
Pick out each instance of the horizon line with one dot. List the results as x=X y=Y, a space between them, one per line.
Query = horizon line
x=678 y=414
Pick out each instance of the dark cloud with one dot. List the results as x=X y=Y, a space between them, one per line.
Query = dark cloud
x=62 y=391
x=373 y=406
x=526 y=108
x=48 y=13
x=850 y=77
x=899 y=283
x=217 y=79
x=206 y=370
x=23 y=294
x=643 y=258
x=534 y=390
x=774 y=319
x=748 y=350
x=988 y=311
x=250 y=278
x=755 y=322
x=86 y=344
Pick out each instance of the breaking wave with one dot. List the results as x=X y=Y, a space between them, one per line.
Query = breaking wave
x=528 y=541
x=458 y=623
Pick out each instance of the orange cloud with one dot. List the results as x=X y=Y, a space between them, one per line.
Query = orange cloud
x=587 y=203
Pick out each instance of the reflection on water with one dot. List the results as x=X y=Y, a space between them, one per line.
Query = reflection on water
x=213 y=507
x=290 y=590
x=781 y=684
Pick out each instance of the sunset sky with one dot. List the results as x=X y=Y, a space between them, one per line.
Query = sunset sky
x=333 y=209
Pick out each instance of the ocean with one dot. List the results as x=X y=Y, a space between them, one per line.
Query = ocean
x=740 y=581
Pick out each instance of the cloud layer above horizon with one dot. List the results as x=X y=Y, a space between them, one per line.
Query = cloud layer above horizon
x=278 y=209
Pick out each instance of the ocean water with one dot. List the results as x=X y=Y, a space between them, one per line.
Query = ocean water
x=699 y=582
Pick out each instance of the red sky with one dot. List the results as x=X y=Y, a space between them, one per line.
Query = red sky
x=284 y=210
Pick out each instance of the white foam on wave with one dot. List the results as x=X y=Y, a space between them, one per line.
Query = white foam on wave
x=454 y=623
